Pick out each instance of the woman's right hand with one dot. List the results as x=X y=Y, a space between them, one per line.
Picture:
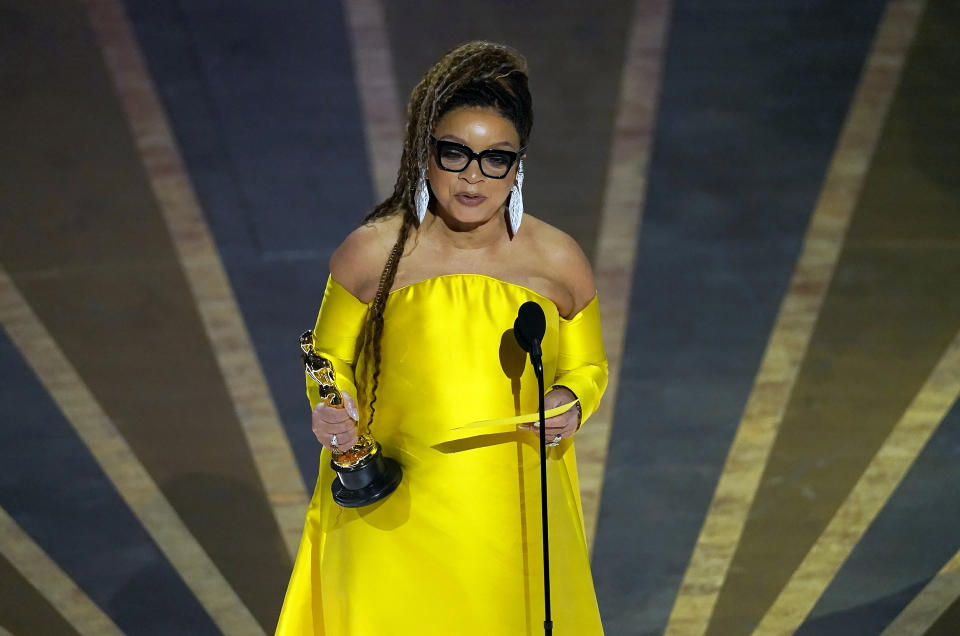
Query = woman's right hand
x=329 y=421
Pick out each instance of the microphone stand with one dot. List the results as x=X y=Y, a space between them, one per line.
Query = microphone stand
x=536 y=359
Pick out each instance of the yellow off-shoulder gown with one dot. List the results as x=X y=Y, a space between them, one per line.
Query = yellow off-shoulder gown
x=456 y=549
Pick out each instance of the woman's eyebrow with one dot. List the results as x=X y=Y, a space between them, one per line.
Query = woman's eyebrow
x=461 y=141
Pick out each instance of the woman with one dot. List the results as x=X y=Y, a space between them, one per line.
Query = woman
x=456 y=549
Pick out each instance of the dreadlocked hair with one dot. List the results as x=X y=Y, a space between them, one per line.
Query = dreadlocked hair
x=483 y=74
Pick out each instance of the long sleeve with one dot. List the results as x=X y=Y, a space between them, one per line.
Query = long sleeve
x=336 y=336
x=581 y=361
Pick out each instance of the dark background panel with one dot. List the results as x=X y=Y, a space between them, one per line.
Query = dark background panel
x=892 y=309
x=55 y=490
x=946 y=624
x=262 y=100
x=84 y=241
x=752 y=102
x=23 y=610
x=910 y=540
x=867 y=618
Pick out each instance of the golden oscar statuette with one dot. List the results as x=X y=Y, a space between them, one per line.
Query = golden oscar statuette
x=364 y=475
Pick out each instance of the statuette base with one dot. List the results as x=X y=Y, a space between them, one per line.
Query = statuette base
x=366 y=482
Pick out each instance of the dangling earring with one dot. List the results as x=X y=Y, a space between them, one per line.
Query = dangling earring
x=516 y=201
x=422 y=196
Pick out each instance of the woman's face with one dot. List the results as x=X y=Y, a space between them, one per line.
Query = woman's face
x=469 y=198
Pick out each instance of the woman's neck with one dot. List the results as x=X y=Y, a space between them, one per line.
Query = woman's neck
x=485 y=236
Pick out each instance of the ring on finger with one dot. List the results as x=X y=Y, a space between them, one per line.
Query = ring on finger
x=556 y=440
x=333 y=440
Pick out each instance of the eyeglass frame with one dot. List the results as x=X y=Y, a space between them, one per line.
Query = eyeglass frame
x=471 y=155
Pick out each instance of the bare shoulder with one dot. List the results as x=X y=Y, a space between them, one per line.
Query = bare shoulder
x=565 y=259
x=358 y=261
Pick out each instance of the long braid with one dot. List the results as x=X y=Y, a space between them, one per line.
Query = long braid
x=470 y=62
x=374 y=324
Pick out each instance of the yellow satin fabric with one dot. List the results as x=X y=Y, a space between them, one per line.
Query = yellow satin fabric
x=457 y=548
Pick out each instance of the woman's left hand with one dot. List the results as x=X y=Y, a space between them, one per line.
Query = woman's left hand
x=565 y=424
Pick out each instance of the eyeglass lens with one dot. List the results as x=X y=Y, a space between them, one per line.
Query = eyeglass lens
x=493 y=163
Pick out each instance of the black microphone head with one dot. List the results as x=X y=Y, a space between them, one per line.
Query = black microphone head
x=530 y=325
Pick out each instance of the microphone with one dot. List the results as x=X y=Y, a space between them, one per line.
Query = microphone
x=528 y=329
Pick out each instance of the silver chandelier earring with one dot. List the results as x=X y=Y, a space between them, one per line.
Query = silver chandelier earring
x=516 y=201
x=422 y=196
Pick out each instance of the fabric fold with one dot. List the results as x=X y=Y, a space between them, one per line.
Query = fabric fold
x=581 y=361
x=335 y=337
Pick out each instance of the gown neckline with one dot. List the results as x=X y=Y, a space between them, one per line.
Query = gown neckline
x=494 y=279
x=468 y=274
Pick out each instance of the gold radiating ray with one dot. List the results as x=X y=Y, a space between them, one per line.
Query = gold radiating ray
x=795 y=322
x=927 y=606
x=53 y=583
x=120 y=463
x=201 y=263
x=377 y=85
x=873 y=489
x=620 y=217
